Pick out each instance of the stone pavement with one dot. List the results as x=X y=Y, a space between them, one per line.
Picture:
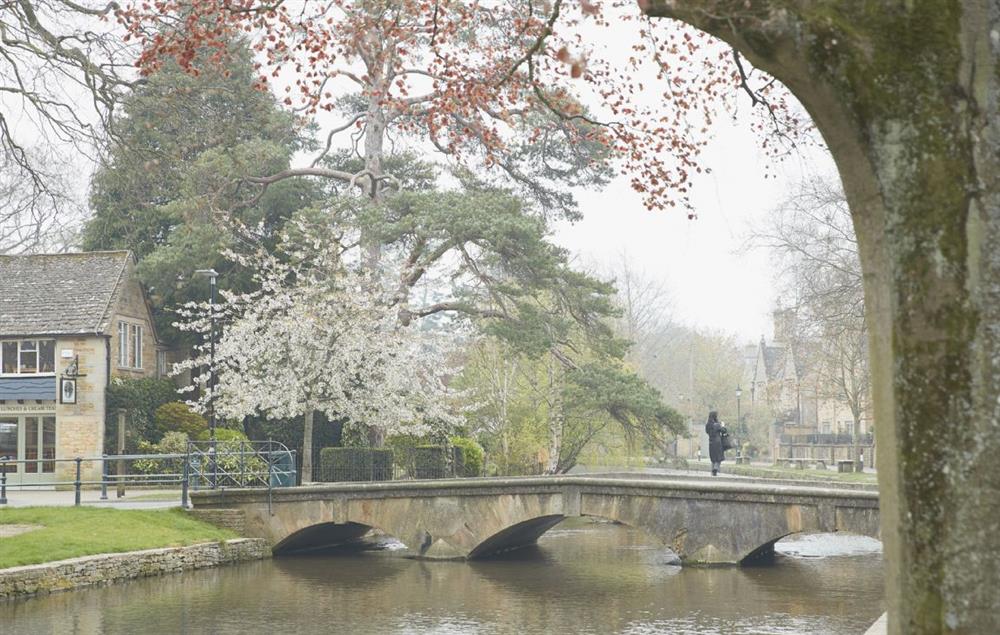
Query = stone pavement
x=880 y=627
x=134 y=498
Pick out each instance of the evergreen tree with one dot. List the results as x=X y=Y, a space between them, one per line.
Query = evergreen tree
x=169 y=187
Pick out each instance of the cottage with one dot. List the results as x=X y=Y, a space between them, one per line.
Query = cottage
x=68 y=324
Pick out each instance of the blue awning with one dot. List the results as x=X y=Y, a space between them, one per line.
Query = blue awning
x=14 y=388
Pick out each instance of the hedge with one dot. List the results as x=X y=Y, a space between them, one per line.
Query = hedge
x=469 y=457
x=355 y=464
x=429 y=461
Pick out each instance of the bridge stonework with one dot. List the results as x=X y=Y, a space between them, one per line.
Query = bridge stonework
x=704 y=522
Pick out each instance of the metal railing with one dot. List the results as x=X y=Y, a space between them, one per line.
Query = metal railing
x=825 y=438
x=205 y=465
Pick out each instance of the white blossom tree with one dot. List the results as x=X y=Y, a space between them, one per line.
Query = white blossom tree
x=321 y=335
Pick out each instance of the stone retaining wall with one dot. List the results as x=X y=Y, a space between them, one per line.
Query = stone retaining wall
x=100 y=569
x=231 y=519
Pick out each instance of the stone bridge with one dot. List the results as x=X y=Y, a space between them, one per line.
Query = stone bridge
x=704 y=521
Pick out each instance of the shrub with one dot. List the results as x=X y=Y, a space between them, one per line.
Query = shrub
x=222 y=434
x=140 y=398
x=176 y=416
x=470 y=457
x=355 y=464
x=171 y=443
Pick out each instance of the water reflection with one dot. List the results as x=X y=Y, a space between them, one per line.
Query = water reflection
x=582 y=578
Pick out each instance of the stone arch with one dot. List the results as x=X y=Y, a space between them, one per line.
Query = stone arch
x=521 y=534
x=320 y=536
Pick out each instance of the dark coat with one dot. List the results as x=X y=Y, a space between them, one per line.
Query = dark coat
x=714 y=431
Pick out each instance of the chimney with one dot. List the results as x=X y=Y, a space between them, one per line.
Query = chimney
x=784 y=325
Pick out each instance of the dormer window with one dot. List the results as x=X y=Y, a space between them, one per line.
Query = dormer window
x=28 y=357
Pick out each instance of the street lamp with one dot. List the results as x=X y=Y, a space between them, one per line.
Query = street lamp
x=739 y=423
x=211 y=274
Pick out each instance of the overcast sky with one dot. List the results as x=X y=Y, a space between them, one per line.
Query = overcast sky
x=715 y=285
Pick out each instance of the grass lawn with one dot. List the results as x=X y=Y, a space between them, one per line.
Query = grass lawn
x=820 y=475
x=70 y=532
x=791 y=473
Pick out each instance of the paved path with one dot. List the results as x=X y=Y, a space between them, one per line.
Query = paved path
x=9 y=531
x=134 y=499
x=880 y=627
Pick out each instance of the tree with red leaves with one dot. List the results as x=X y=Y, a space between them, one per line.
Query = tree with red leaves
x=497 y=87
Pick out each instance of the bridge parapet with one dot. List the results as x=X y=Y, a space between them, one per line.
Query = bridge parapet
x=704 y=522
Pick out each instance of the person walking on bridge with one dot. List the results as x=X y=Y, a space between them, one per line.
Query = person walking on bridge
x=715 y=429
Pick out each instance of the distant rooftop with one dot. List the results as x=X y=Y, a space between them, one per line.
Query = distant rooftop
x=59 y=294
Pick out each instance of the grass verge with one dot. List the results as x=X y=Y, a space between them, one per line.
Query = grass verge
x=792 y=474
x=71 y=532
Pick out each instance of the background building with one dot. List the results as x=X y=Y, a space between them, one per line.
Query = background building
x=68 y=324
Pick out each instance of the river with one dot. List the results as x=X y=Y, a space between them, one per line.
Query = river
x=583 y=577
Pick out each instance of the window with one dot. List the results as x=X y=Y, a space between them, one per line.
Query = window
x=47 y=356
x=129 y=345
x=122 y=344
x=28 y=357
x=8 y=363
x=136 y=345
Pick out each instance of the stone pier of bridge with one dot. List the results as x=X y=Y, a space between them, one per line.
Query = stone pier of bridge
x=706 y=522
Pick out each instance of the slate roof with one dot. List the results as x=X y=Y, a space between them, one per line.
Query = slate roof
x=774 y=361
x=59 y=294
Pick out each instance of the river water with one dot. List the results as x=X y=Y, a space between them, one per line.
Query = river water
x=583 y=577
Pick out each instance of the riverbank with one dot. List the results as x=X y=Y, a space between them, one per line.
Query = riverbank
x=73 y=573
x=59 y=533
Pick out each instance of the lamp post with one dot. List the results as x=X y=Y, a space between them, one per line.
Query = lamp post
x=212 y=274
x=739 y=423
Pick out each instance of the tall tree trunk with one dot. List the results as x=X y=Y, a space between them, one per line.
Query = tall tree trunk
x=906 y=96
x=307 y=445
x=556 y=415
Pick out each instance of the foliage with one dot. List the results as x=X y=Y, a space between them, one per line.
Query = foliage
x=320 y=336
x=488 y=85
x=172 y=443
x=72 y=532
x=327 y=432
x=177 y=416
x=355 y=464
x=169 y=183
x=222 y=435
x=140 y=397
x=597 y=399
x=472 y=456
